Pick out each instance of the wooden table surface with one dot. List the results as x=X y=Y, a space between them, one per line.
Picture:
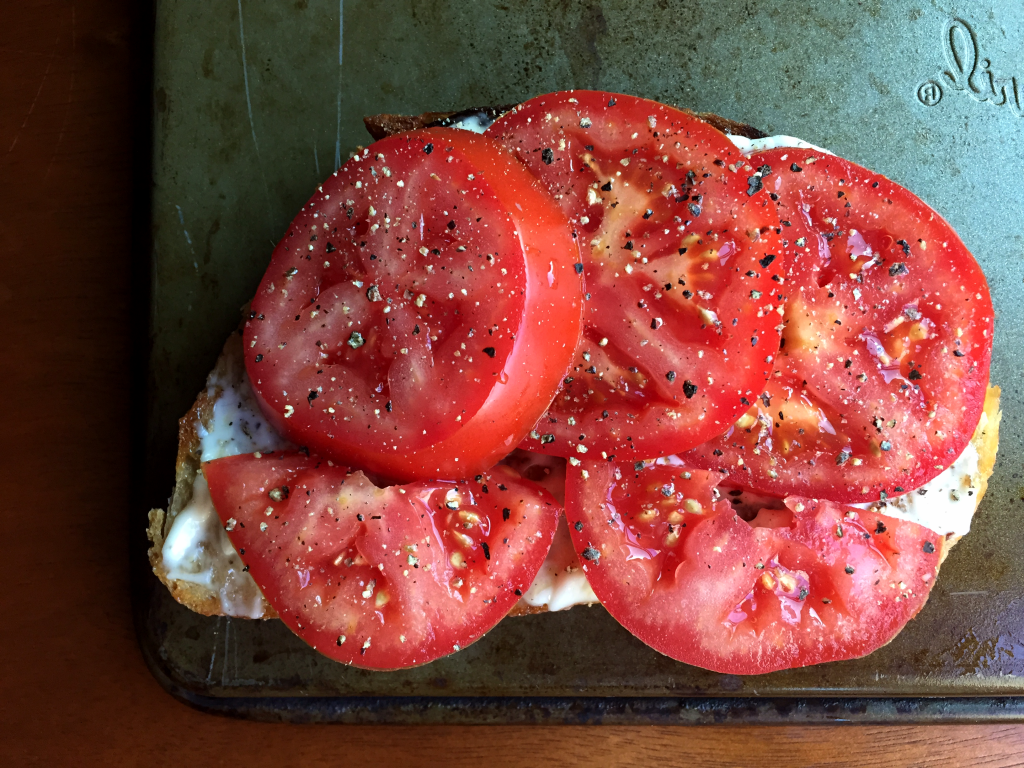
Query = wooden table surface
x=73 y=686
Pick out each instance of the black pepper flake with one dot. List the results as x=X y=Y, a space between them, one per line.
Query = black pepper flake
x=578 y=267
x=671 y=375
x=489 y=351
x=519 y=593
x=648 y=213
x=957 y=352
x=428 y=148
x=694 y=209
x=451 y=225
x=803 y=593
x=898 y=269
x=387 y=406
x=768 y=259
x=795 y=168
x=505 y=512
x=545 y=439
x=578 y=525
x=590 y=553
x=753 y=341
x=547 y=156
x=848 y=363
x=607 y=187
x=259 y=358
x=915 y=375
x=330 y=248
x=843 y=456
x=849 y=569
x=486 y=549
x=629 y=245
x=638 y=466
x=929 y=548
x=313 y=395
x=689 y=389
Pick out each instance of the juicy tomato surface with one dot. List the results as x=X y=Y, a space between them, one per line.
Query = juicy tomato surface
x=382 y=578
x=807 y=583
x=881 y=378
x=421 y=311
x=679 y=245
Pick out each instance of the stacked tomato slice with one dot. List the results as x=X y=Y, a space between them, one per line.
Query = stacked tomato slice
x=609 y=280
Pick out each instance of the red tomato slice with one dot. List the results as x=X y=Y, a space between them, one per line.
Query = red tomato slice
x=382 y=578
x=420 y=313
x=882 y=375
x=679 y=249
x=809 y=583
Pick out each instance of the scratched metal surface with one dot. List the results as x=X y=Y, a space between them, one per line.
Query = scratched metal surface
x=254 y=103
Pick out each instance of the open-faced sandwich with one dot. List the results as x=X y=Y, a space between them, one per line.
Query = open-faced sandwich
x=591 y=348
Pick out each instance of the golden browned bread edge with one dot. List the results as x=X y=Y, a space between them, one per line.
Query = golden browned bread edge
x=194 y=596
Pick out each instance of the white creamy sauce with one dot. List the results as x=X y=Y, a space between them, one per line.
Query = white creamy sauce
x=750 y=147
x=477 y=122
x=237 y=425
x=560 y=582
x=197 y=550
x=945 y=504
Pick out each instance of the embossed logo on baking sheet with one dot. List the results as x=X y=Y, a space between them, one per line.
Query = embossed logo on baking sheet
x=970 y=73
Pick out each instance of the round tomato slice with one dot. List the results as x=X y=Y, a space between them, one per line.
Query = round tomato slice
x=421 y=312
x=382 y=578
x=679 y=246
x=881 y=378
x=808 y=583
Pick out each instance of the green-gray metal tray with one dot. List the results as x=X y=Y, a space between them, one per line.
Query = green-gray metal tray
x=255 y=102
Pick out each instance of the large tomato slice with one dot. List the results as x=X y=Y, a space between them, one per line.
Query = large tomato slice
x=382 y=578
x=421 y=312
x=881 y=379
x=811 y=582
x=679 y=246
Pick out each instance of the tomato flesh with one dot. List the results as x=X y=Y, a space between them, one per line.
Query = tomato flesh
x=679 y=245
x=418 y=316
x=888 y=336
x=382 y=578
x=806 y=583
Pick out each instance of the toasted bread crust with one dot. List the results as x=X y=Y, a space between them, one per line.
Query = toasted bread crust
x=384 y=125
x=197 y=597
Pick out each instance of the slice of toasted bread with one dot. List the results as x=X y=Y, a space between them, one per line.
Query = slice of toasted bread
x=209 y=577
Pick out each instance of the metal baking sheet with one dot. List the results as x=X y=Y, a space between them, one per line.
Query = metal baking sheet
x=255 y=102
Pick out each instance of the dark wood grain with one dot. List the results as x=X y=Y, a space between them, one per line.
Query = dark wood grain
x=74 y=689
